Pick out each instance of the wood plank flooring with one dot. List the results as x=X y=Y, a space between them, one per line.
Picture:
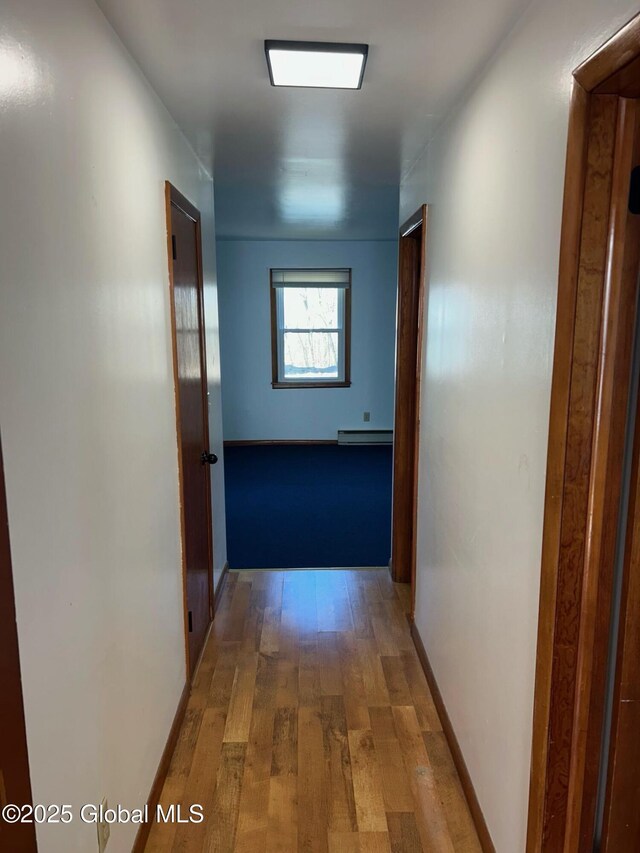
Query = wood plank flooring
x=310 y=727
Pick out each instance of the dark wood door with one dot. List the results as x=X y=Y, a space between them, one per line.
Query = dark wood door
x=15 y=787
x=193 y=431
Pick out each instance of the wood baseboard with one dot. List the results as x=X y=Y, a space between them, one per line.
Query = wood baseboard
x=167 y=754
x=218 y=592
x=161 y=773
x=454 y=746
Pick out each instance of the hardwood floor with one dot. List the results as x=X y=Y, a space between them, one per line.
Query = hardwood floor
x=310 y=726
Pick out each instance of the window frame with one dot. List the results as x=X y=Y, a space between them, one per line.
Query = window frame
x=277 y=333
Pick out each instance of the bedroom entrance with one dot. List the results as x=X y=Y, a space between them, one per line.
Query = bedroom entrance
x=307 y=335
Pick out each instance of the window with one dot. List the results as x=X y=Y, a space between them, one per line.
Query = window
x=310 y=328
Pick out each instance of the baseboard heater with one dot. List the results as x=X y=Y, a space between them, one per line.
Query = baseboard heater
x=365 y=436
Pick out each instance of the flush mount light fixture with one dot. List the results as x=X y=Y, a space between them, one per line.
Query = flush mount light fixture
x=316 y=64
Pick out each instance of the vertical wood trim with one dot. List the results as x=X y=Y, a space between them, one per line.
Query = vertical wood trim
x=557 y=444
x=422 y=319
x=404 y=413
x=411 y=275
x=578 y=462
x=587 y=420
x=567 y=473
x=619 y=300
x=577 y=538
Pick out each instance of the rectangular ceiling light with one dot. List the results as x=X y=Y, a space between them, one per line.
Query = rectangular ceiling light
x=316 y=64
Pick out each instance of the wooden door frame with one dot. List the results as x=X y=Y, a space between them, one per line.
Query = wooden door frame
x=594 y=330
x=412 y=258
x=174 y=198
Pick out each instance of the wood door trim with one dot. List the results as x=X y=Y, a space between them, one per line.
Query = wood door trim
x=580 y=470
x=418 y=394
x=617 y=52
x=174 y=198
x=619 y=302
x=558 y=429
x=411 y=302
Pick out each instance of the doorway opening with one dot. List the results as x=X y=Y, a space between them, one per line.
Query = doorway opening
x=307 y=332
x=321 y=366
x=409 y=342
x=586 y=740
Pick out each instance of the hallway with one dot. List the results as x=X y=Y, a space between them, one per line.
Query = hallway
x=310 y=726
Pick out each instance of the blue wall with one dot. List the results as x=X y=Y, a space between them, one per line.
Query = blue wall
x=303 y=506
x=306 y=506
x=251 y=408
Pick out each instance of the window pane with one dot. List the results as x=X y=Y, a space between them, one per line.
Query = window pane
x=311 y=355
x=310 y=307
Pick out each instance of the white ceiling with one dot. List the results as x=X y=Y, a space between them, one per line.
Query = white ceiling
x=295 y=163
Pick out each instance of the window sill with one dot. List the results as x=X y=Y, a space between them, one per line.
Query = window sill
x=278 y=385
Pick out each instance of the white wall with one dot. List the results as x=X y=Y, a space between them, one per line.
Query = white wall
x=252 y=409
x=87 y=406
x=493 y=175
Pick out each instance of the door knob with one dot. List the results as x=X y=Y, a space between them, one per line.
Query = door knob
x=211 y=458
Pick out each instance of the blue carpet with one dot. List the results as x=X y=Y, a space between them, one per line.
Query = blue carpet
x=302 y=506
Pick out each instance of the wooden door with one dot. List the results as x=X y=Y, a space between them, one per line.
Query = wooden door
x=15 y=787
x=411 y=275
x=185 y=265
